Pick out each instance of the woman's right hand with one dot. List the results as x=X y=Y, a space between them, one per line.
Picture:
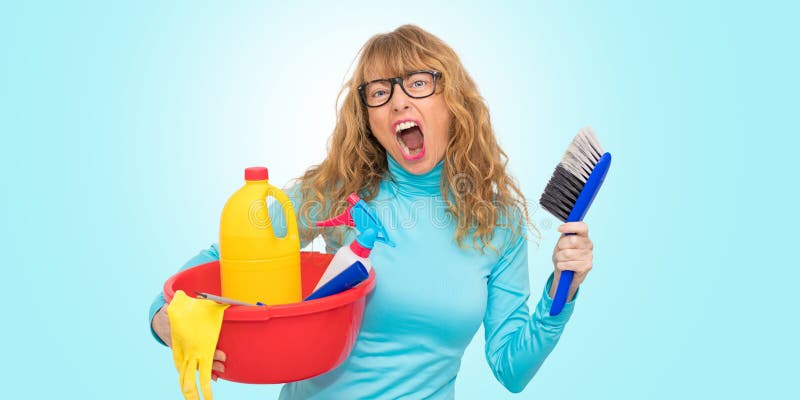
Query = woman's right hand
x=161 y=328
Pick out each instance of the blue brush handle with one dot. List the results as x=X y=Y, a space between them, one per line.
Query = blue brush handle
x=585 y=199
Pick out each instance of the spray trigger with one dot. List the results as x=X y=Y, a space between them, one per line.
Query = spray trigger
x=360 y=216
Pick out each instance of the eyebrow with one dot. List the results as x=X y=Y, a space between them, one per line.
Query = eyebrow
x=404 y=75
x=377 y=77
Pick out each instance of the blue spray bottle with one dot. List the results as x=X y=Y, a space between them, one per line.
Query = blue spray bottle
x=370 y=229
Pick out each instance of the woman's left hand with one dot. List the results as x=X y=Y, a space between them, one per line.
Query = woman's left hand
x=573 y=253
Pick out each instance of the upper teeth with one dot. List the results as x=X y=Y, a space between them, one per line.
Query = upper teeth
x=404 y=125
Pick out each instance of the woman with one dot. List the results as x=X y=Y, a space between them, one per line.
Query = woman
x=414 y=139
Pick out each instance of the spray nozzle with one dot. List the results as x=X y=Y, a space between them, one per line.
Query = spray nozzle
x=361 y=216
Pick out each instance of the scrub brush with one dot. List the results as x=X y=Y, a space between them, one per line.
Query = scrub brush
x=571 y=190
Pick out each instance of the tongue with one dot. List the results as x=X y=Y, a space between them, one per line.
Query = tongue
x=412 y=138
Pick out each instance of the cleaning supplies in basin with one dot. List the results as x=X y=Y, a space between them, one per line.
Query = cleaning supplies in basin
x=255 y=265
x=287 y=343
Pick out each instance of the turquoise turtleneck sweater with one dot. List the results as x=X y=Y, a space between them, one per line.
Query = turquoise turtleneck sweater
x=431 y=296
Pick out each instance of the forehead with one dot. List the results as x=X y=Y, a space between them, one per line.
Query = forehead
x=380 y=66
x=373 y=72
x=374 y=75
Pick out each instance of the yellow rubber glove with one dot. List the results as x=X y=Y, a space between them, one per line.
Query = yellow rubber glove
x=194 y=325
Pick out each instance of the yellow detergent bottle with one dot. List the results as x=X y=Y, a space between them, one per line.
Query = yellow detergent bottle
x=255 y=265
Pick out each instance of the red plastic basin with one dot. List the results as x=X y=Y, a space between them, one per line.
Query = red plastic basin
x=282 y=343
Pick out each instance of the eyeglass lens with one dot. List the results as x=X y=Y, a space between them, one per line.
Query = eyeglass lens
x=417 y=85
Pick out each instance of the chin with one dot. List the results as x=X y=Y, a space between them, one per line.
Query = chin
x=418 y=167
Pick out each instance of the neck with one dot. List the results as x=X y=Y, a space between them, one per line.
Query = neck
x=427 y=184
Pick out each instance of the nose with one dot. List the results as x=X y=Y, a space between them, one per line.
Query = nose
x=400 y=100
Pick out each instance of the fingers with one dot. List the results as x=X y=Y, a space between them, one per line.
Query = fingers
x=574 y=242
x=580 y=228
x=573 y=255
x=578 y=260
x=218 y=367
x=573 y=252
x=580 y=267
x=218 y=364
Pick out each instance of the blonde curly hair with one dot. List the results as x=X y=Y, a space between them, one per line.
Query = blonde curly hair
x=475 y=185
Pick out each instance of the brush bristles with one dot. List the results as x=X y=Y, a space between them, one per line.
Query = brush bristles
x=570 y=176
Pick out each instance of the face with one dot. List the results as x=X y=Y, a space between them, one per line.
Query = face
x=416 y=150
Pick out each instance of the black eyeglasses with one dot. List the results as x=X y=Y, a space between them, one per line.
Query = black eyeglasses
x=417 y=85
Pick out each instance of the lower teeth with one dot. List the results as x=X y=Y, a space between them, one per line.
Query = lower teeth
x=411 y=152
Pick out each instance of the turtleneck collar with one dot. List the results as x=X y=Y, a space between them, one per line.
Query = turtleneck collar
x=426 y=184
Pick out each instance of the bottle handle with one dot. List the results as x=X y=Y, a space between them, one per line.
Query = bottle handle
x=288 y=211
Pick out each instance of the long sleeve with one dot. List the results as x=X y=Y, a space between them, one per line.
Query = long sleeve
x=516 y=342
x=306 y=230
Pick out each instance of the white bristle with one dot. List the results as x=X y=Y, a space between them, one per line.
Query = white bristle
x=571 y=174
x=582 y=154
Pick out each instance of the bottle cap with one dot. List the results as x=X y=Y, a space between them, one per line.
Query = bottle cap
x=367 y=238
x=256 y=174
x=363 y=244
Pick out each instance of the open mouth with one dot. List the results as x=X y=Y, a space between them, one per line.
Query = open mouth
x=410 y=139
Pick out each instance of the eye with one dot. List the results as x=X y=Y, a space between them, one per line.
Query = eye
x=378 y=89
x=418 y=84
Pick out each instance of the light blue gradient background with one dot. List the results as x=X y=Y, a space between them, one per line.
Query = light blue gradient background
x=125 y=128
